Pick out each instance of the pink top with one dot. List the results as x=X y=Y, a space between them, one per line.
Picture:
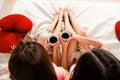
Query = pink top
x=60 y=72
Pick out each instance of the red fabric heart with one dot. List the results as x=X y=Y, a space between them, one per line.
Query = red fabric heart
x=13 y=28
x=117 y=30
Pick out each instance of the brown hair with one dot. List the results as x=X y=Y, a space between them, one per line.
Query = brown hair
x=30 y=61
x=97 y=64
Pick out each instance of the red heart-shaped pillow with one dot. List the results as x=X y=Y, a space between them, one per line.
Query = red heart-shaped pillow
x=117 y=30
x=13 y=28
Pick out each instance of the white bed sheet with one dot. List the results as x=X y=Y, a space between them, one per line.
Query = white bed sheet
x=98 y=18
x=1 y=4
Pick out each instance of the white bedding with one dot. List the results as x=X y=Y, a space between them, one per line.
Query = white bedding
x=98 y=18
x=1 y=4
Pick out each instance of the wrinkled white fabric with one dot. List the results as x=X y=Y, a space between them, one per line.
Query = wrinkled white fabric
x=98 y=18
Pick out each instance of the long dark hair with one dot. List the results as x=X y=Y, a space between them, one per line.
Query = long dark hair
x=30 y=61
x=97 y=64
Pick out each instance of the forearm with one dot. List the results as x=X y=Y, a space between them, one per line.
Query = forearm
x=89 y=41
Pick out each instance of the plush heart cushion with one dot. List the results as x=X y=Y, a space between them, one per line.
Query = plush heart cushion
x=13 y=28
x=117 y=30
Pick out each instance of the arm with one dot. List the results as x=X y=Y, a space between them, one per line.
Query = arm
x=80 y=31
x=89 y=41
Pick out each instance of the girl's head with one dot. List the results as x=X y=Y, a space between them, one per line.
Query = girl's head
x=30 y=61
x=97 y=64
